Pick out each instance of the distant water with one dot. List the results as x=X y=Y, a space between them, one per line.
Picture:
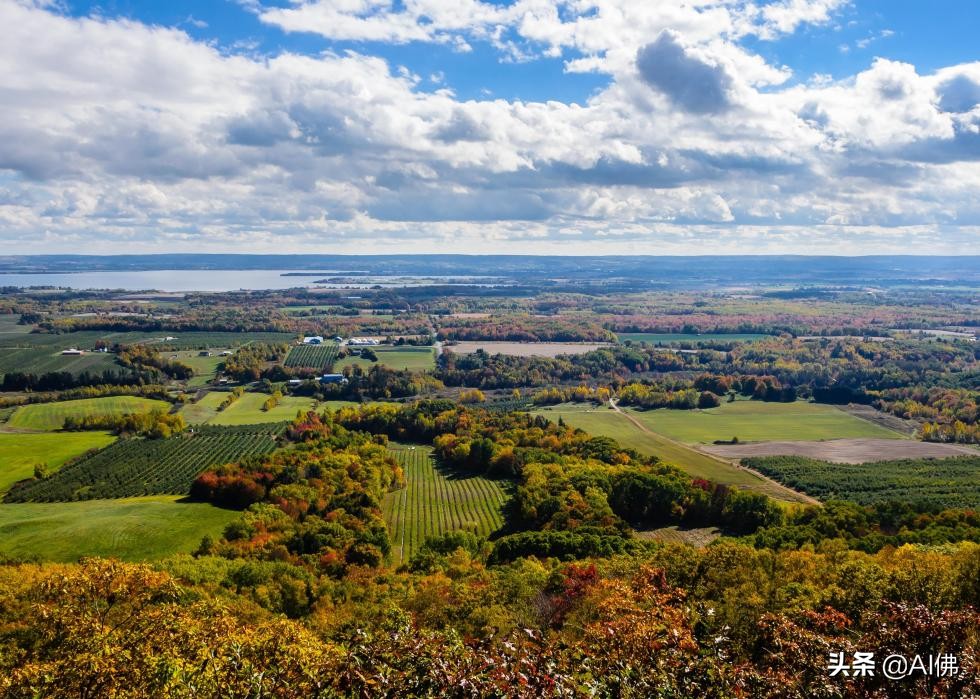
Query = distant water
x=201 y=280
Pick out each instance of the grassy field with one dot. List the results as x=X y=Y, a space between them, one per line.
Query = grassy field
x=19 y=453
x=204 y=367
x=413 y=358
x=247 y=410
x=757 y=421
x=133 y=529
x=674 y=338
x=526 y=349
x=608 y=423
x=435 y=501
x=9 y=325
x=51 y=416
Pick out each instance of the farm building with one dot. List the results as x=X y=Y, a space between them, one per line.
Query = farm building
x=314 y=340
x=333 y=378
x=226 y=353
x=203 y=353
x=72 y=351
x=295 y=382
x=363 y=341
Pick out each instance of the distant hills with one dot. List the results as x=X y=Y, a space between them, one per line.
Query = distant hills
x=645 y=271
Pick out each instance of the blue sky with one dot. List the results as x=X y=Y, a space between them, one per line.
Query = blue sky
x=816 y=126
x=929 y=35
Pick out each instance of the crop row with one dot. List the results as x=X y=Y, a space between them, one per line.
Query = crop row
x=434 y=502
x=135 y=467
x=320 y=357
x=949 y=482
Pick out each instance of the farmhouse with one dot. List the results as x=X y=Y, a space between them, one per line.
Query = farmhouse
x=333 y=378
x=314 y=340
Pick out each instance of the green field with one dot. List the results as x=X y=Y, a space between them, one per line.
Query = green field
x=51 y=416
x=43 y=360
x=608 y=423
x=204 y=368
x=758 y=421
x=319 y=357
x=412 y=358
x=950 y=482
x=86 y=339
x=132 y=529
x=9 y=325
x=675 y=338
x=19 y=453
x=137 y=467
x=435 y=501
x=247 y=410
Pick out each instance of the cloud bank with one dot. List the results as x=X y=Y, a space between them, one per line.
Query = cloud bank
x=120 y=136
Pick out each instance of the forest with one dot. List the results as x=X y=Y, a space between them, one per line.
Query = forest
x=708 y=499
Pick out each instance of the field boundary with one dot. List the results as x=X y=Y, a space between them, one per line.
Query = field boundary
x=792 y=495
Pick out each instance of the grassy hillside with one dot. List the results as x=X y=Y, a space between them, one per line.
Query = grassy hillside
x=247 y=410
x=414 y=358
x=435 y=501
x=134 y=529
x=757 y=421
x=19 y=453
x=51 y=416
x=608 y=423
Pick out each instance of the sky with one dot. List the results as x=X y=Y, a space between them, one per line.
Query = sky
x=490 y=126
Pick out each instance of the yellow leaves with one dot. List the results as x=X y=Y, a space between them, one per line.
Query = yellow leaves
x=106 y=628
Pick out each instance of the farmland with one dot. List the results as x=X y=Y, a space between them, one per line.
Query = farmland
x=247 y=410
x=526 y=349
x=133 y=529
x=844 y=451
x=609 y=423
x=199 y=340
x=51 y=416
x=204 y=368
x=699 y=537
x=20 y=453
x=951 y=482
x=42 y=360
x=678 y=338
x=435 y=501
x=320 y=357
x=759 y=421
x=136 y=467
x=404 y=357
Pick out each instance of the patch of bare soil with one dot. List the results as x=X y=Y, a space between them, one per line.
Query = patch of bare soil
x=844 y=451
x=890 y=422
